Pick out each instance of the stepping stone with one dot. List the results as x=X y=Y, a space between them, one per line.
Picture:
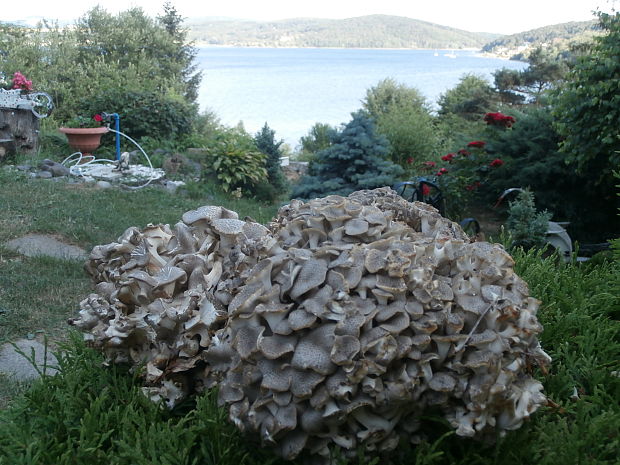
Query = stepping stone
x=34 y=245
x=16 y=366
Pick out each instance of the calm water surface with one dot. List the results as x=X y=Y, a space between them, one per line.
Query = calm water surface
x=291 y=89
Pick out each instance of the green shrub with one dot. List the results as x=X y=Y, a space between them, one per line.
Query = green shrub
x=276 y=181
x=145 y=113
x=235 y=161
x=355 y=160
x=527 y=226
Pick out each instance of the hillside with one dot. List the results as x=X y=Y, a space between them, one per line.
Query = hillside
x=557 y=38
x=375 y=31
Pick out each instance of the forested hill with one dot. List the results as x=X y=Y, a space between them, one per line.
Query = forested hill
x=375 y=31
x=559 y=37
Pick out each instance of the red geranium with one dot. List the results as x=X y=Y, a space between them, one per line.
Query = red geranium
x=430 y=164
x=448 y=157
x=20 y=82
x=495 y=163
x=463 y=152
x=410 y=160
x=499 y=119
x=426 y=190
x=442 y=171
x=477 y=144
x=98 y=118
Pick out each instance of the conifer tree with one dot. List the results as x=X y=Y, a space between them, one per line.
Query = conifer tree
x=355 y=160
x=265 y=142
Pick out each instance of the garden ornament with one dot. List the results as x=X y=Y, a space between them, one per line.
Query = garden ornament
x=40 y=103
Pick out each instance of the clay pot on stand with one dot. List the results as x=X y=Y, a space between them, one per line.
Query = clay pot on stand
x=84 y=140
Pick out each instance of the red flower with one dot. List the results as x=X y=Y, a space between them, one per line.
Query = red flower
x=98 y=118
x=410 y=160
x=430 y=164
x=463 y=152
x=448 y=157
x=442 y=171
x=477 y=144
x=474 y=186
x=499 y=119
x=426 y=190
x=495 y=163
x=20 y=82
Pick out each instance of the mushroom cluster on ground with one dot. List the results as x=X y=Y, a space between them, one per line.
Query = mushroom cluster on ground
x=340 y=325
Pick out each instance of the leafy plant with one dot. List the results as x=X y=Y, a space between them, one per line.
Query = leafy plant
x=235 y=161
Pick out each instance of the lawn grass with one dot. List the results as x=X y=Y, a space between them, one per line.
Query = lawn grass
x=90 y=413
x=41 y=293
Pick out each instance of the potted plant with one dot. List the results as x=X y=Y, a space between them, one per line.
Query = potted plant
x=84 y=133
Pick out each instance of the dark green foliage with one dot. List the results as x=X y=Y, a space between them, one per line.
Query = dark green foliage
x=355 y=160
x=526 y=225
x=533 y=160
x=144 y=113
x=528 y=85
x=587 y=107
x=266 y=143
x=472 y=97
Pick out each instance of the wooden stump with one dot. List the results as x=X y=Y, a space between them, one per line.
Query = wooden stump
x=21 y=127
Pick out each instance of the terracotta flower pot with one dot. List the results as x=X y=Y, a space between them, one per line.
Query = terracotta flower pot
x=84 y=140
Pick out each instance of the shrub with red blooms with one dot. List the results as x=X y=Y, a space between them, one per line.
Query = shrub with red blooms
x=499 y=119
x=20 y=82
x=495 y=163
x=477 y=144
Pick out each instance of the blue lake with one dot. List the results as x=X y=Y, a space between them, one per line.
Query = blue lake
x=291 y=89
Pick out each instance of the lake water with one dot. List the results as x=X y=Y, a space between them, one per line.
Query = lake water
x=291 y=89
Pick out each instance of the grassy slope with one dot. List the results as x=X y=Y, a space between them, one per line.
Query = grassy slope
x=96 y=415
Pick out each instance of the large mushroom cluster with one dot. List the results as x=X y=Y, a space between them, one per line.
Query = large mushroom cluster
x=340 y=325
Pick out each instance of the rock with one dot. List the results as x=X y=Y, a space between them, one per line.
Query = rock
x=15 y=365
x=103 y=184
x=33 y=245
x=172 y=186
x=23 y=167
x=58 y=170
x=53 y=167
x=45 y=174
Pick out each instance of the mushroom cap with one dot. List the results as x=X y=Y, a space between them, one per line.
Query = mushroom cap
x=207 y=212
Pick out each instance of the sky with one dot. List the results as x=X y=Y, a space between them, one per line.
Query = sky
x=470 y=15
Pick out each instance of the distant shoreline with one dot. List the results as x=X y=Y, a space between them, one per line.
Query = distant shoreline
x=475 y=50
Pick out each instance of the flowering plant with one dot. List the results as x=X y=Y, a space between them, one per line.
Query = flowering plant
x=19 y=81
x=499 y=119
x=84 y=122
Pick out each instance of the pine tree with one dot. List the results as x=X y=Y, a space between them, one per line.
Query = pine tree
x=265 y=142
x=355 y=160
